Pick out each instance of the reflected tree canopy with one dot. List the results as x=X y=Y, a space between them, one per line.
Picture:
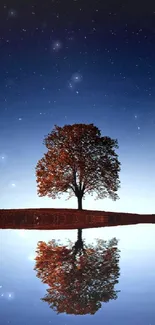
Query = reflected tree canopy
x=79 y=277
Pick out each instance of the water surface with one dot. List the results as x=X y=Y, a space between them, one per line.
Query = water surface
x=21 y=290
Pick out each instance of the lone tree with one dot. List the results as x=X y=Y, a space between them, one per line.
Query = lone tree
x=78 y=161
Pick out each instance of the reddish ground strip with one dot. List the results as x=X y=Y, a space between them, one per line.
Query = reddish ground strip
x=67 y=218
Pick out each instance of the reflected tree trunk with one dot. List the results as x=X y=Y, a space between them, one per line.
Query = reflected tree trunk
x=79 y=236
x=78 y=247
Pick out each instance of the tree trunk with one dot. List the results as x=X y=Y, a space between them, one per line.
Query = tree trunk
x=79 y=202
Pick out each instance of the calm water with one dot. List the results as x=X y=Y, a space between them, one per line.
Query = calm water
x=21 y=290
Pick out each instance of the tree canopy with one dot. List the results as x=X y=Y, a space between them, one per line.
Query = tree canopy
x=78 y=286
x=78 y=161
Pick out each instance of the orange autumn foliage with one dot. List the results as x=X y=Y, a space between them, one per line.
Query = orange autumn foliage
x=78 y=161
x=78 y=286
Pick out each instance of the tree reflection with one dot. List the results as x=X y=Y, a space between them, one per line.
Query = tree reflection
x=79 y=277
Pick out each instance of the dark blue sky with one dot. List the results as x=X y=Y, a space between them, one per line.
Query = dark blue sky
x=64 y=62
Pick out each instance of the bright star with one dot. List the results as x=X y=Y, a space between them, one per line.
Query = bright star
x=3 y=158
x=56 y=46
x=77 y=77
x=10 y=295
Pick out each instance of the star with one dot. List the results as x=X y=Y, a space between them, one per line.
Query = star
x=76 y=77
x=70 y=85
x=12 y=13
x=56 y=46
x=10 y=295
x=3 y=158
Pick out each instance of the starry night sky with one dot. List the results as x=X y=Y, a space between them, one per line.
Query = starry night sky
x=64 y=62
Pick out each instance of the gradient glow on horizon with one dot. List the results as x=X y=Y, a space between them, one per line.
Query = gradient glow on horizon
x=86 y=64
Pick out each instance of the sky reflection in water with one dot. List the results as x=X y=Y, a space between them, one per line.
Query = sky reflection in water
x=21 y=291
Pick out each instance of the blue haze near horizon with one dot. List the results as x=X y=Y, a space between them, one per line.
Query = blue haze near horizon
x=65 y=62
x=21 y=290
